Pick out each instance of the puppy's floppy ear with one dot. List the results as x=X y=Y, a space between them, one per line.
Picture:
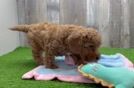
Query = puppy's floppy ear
x=86 y=44
x=75 y=38
x=84 y=36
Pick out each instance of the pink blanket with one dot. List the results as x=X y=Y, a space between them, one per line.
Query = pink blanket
x=67 y=71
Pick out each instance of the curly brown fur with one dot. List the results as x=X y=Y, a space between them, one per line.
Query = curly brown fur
x=55 y=40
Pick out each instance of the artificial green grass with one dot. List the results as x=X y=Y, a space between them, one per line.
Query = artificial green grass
x=16 y=63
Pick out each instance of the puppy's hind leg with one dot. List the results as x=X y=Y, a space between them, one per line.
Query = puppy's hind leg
x=49 y=61
x=37 y=55
x=37 y=52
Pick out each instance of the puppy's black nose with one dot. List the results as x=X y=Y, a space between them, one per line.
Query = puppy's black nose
x=98 y=57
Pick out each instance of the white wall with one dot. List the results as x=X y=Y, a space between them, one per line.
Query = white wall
x=9 y=40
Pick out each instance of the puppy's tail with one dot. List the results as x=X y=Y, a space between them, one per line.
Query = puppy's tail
x=22 y=28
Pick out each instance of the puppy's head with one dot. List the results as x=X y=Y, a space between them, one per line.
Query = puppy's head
x=91 y=54
x=85 y=42
x=91 y=41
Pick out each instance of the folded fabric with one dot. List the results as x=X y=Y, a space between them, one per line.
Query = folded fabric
x=118 y=77
x=65 y=72
x=116 y=60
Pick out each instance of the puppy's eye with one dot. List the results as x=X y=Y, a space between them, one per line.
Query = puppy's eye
x=86 y=46
x=91 y=46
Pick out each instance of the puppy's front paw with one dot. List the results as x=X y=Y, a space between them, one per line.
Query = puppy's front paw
x=53 y=66
x=40 y=63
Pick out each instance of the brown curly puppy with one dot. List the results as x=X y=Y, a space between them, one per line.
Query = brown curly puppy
x=82 y=43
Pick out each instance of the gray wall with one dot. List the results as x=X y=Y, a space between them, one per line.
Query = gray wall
x=8 y=17
x=114 y=19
